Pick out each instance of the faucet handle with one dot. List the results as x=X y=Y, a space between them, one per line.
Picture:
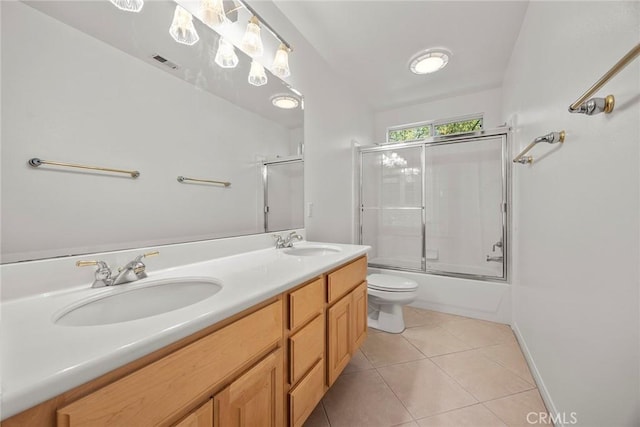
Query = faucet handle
x=102 y=275
x=148 y=254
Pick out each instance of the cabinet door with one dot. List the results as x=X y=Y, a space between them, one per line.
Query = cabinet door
x=254 y=399
x=201 y=417
x=359 y=301
x=339 y=319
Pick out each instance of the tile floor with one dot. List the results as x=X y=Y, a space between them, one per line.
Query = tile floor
x=443 y=370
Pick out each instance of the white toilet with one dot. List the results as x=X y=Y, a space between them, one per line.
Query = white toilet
x=387 y=295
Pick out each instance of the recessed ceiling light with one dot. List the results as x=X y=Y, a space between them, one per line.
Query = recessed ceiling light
x=429 y=61
x=287 y=102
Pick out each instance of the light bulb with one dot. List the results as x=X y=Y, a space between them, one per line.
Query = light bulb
x=251 y=41
x=213 y=12
x=257 y=76
x=226 y=55
x=128 y=5
x=182 y=29
x=281 y=62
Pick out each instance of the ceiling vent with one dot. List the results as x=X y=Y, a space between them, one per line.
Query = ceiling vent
x=164 y=61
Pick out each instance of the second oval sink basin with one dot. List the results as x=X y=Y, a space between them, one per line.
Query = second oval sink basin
x=312 y=250
x=146 y=300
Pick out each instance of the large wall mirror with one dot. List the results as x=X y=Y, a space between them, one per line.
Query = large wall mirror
x=80 y=84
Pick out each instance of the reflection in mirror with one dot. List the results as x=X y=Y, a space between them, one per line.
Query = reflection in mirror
x=85 y=82
x=283 y=194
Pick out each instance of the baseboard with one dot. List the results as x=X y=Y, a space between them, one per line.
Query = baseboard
x=542 y=388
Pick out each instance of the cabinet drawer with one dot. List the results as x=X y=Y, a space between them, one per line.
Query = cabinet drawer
x=201 y=417
x=305 y=303
x=306 y=395
x=348 y=277
x=167 y=387
x=306 y=347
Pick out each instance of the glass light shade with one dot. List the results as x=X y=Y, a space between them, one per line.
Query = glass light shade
x=226 y=55
x=429 y=61
x=251 y=41
x=286 y=102
x=182 y=29
x=281 y=62
x=257 y=76
x=128 y=5
x=213 y=12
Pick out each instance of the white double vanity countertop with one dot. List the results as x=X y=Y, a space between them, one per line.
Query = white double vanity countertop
x=41 y=359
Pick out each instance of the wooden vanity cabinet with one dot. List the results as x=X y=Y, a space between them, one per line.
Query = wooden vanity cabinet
x=346 y=315
x=267 y=366
x=306 y=345
x=201 y=417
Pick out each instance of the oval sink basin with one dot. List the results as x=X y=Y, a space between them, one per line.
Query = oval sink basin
x=147 y=300
x=309 y=250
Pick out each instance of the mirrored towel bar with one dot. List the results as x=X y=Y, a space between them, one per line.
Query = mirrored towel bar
x=592 y=106
x=208 y=181
x=551 y=138
x=35 y=162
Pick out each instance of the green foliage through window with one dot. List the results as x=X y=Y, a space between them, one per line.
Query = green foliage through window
x=409 y=134
x=426 y=130
x=458 y=127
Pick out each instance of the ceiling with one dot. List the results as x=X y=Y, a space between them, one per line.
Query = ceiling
x=146 y=34
x=370 y=43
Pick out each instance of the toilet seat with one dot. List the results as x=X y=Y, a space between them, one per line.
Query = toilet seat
x=386 y=282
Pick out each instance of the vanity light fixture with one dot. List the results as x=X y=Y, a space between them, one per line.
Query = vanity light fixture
x=286 y=102
x=251 y=41
x=257 y=76
x=429 y=61
x=226 y=55
x=128 y=5
x=281 y=62
x=182 y=29
x=212 y=12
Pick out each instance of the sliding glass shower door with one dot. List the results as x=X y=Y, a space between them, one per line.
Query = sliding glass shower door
x=392 y=208
x=437 y=207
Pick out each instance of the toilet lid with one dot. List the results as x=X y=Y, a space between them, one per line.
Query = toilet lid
x=387 y=282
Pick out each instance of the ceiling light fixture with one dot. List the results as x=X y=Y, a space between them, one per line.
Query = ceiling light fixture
x=286 y=102
x=429 y=61
x=226 y=55
x=128 y=5
x=182 y=29
x=212 y=12
x=257 y=76
x=281 y=62
x=252 y=42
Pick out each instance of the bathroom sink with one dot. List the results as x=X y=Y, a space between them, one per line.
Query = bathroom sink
x=133 y=302
x=312 y=250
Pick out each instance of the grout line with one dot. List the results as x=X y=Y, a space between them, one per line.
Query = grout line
x=394 y=393
x=324 y=411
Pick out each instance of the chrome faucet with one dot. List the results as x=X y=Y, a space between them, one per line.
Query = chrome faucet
x=287 y=242
x=104 y=276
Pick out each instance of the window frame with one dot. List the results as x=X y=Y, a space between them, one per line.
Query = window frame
x=431 y=124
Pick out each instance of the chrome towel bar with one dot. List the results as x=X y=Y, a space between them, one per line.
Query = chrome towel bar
x=208 y=181
x=598 y=105
x=551 y=138
x=35 y=162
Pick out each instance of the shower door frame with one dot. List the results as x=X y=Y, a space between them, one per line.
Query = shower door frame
x=505 y=134
x=265 y=185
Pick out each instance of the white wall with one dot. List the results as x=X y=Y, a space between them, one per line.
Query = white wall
x=71 y=98
x=334 y=117
x=488 y=102
x=576 y=257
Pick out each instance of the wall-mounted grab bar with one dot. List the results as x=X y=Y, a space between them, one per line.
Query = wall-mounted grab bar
x=35 y=162
x=599 y=105
x=551 y=138
x=208 y=181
